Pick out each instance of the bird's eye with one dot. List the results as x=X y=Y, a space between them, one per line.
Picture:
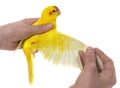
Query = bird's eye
x=53 y=10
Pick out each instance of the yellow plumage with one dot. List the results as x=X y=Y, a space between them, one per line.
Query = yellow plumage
x=54 y=46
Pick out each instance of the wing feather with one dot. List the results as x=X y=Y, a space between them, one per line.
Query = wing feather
x=61 y=49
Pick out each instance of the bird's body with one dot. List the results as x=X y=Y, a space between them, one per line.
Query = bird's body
x=54 y=46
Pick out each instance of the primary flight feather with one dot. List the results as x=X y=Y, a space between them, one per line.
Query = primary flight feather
x=54 y=46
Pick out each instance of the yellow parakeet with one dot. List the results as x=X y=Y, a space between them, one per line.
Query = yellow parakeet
x=54 y=46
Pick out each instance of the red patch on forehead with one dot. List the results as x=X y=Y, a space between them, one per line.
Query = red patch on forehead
x=56 y=7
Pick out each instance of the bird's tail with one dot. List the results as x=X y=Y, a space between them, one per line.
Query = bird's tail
x=29 y=57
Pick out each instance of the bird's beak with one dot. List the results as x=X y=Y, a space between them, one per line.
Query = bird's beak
x=59 y=13
x=57 y=10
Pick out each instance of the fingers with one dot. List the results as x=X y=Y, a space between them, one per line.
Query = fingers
x=90 y=56
x=101 y=54
x=108 y=63
x=41 y=29
x=32 y=30
x=88 y=59
x=30 y=21
x=82 y=57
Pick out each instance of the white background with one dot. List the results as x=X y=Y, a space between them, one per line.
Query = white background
x=95 y=22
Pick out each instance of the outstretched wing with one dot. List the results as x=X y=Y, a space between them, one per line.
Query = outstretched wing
x=61 y=49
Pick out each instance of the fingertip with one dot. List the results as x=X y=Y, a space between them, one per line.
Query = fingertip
x=45 y=27
x=81 y=53
x=96 y=49
x=49 y=26
x=89 y=49
x=90 y=55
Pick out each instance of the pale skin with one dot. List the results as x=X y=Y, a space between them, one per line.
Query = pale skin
x=12 y=33
x=90 y=77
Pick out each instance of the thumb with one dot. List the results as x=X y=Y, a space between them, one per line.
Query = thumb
x=40 y=29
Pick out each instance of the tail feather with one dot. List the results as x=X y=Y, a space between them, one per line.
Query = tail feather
x=29 y=58
x=30 y=70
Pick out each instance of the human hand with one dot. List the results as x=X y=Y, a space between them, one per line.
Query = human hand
x=91 y=76
x=12 y=33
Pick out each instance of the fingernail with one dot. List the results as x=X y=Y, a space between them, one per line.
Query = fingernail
x=49 y=25
x=89 y=49
x=80 y=51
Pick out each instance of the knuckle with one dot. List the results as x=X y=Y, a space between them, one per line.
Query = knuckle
x=25 y=19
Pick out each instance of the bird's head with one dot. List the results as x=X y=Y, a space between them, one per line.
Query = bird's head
x=50 y=13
